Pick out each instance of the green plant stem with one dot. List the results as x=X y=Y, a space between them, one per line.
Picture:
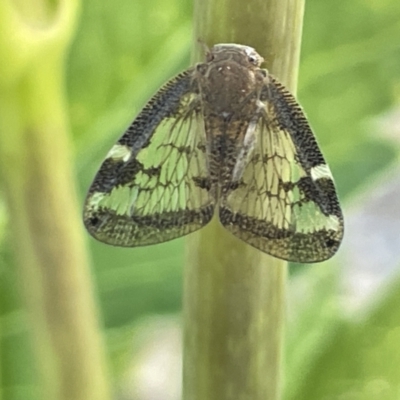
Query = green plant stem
x=234 y=296
x=36 y=173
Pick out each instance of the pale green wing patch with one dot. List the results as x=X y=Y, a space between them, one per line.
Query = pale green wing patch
x=149 y=193
x=285 y=202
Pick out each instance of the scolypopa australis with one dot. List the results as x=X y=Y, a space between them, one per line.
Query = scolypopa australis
x=223 y=139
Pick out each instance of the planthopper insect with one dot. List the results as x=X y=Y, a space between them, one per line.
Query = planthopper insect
x=226 y=139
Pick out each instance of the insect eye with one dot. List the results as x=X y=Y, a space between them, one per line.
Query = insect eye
x=253 y=60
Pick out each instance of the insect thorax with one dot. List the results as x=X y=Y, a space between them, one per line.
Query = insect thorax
x=229 y=95
x=228 y=90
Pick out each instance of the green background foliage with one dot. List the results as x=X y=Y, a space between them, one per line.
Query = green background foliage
x=349 y=75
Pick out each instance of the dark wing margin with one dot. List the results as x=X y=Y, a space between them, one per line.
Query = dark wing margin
x=149 y=188
x=285 y=203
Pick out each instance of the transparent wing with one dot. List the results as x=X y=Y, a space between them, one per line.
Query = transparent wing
x=285 y=202
x=152 y=185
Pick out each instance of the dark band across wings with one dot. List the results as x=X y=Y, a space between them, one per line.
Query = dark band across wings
x=145 y=191
x=286 y=203
x=154 y=184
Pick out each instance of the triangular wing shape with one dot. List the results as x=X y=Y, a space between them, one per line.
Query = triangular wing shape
x=150 y=188
x=285 y=202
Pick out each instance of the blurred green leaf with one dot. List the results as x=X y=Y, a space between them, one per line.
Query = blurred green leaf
x=360 y=360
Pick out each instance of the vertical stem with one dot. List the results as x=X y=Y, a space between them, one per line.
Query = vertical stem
x=36 y=173
x=234 y=295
